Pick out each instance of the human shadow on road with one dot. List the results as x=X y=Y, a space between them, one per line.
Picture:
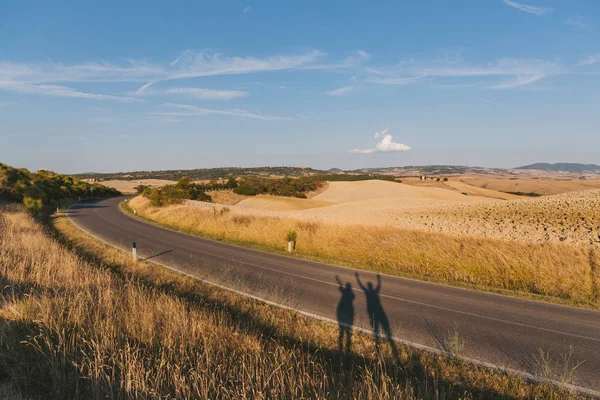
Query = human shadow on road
x=377 y=316
x=345 y=315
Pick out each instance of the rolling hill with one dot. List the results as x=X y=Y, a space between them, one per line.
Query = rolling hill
x=564 y=167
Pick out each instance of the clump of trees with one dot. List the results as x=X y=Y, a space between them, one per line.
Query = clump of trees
x=41 y=188
x=184 y=189
x=298 y=187
x=290 y=187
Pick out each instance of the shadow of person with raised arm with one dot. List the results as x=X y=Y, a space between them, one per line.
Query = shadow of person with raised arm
x=377 y=317
x=345 y=314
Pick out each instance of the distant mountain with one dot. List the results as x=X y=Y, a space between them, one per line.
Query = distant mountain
x=564 y=167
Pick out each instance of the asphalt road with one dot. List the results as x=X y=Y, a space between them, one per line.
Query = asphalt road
x=499 y=330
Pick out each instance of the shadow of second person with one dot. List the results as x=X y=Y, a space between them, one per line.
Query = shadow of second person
x=377 y=317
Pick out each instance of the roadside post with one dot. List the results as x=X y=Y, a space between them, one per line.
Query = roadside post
x=134 y=251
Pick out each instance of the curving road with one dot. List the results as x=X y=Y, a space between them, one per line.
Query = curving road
x=498 y=330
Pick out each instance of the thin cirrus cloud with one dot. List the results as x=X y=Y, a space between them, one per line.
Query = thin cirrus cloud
x=539 y=11
x=385 y=144
x=184 y=110
x=188 y=64
x=60 y=91
x=342 y=91
x=515 y=72
x=207 y=94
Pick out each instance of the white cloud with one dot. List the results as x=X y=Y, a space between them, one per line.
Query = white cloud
x=363 y=54
x=539 y=11
x=385 y=144
x=246 y=9
x=183 y=110
x=590 y=60
x=517 y=72
x=207 y=94
x=343 y=91
x=59 y=91
x=143 y=88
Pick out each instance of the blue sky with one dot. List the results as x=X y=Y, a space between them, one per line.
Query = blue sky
x=117 y=86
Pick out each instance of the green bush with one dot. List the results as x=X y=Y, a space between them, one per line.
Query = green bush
x=44 y=187
x=292 y=236
x=184 y=189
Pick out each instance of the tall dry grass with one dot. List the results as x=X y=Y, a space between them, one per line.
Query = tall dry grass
x=558 y=270
x=87 y=322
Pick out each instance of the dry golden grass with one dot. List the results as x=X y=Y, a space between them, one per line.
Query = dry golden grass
x=557 y=270
x=226 y=197
x=86 y=322
x=534 y=186
x=279 y=203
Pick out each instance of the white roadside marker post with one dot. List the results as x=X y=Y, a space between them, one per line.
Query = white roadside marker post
x=290 y=248
x=134 y=251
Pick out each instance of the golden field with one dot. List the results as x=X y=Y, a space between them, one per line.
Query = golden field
x=556 y=269
x=536 y=186
x=128 y=187
x=84 y=321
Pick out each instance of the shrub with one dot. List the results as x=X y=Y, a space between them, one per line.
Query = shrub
x=184 y=189
x=33 y=205
x=291 y=236
x=232 y=183
x=140 y=188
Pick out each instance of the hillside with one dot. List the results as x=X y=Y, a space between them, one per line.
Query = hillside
x=563 y=167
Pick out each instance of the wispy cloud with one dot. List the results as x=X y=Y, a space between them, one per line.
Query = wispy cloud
x=60 y=91
x=590 y=60
x=539 y=11
x=382 y=80
x=184 y=110
x=188 y=64
x=206 y=94
x=385 y=144
x=246 y=9
x=516 y=72
x=342 y=91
